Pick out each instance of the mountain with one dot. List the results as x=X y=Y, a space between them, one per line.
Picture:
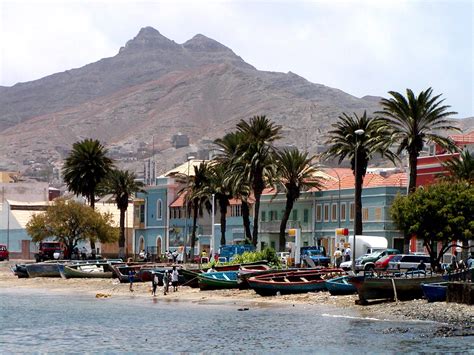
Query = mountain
x=153 y=89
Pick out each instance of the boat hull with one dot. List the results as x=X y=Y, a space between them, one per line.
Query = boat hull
x=74 y=272
x=435 y=292
x=43 y=269
x=217 y=280
x=340 y=286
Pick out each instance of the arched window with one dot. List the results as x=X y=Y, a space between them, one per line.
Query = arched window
x=159 y=210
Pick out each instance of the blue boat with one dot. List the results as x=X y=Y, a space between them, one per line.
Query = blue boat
x=435 y=292
x=340 y=286
x=218 y=280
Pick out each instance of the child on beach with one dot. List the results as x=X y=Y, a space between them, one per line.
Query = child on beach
x=130 y=279
x=154 y=284
x=166 y=282
x=174 y=278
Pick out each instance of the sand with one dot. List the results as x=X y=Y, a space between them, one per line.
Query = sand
x=458 y=318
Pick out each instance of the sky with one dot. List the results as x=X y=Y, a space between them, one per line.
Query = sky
x=363 y=47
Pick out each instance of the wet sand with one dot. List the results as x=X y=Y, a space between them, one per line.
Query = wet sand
x=458 y=318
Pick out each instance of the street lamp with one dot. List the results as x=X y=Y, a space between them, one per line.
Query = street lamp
x=358 y=133
x=185 y=256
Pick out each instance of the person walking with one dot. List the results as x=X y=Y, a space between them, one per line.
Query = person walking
x=174 y=278
x=347 y=254
x=130 y=279
x=166 y=282
x=337 y=257
x=154 y=283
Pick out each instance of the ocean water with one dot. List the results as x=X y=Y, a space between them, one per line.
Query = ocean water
x=37 y=322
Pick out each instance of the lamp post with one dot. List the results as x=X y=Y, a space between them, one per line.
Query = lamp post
x=185 y=255
x=357 y=132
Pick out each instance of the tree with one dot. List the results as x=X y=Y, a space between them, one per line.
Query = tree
x=122 y=185
x=85 y=167
x=70 y=222
x=256 y=164
x=223 y=193
x=416 y=120
x=461 y=168
x=440 y=213
x=296 y=174
x=198 y=193
x=345 y=143
x=231 y=147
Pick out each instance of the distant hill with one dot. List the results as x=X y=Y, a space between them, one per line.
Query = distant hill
x=153 y=89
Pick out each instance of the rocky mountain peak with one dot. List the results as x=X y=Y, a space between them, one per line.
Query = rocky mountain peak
x=202 y=43
x=149 y=38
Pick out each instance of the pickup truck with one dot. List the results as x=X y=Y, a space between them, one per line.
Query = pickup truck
x=46 y=251
x=316 y=254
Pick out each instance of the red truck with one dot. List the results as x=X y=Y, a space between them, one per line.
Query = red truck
x=47 y=251
x=4 y=252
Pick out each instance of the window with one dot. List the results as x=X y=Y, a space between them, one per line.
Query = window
x=351 y=211
x=334 y=212
x=305 y=215
x=318 y=213
x=142 y=213
x=263 y=216
x=236 y=211
x=159 y=210
x=273 y=215
x=378 y=213
x=343 y=212
x=295 y=215
x=365 y=214
x=326 y=213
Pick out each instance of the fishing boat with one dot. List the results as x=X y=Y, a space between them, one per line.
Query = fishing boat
x=297 y=281
x=435 y=292
x=20 y=271
x=218 y=280
x=95 y=270
x=190 y=277
x=43 y=269
x=340 y=286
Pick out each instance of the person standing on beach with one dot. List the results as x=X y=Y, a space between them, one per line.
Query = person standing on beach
x=166 y=282
x=174 y=278
x=130 y=279
x=337 y=257
x=154 y=284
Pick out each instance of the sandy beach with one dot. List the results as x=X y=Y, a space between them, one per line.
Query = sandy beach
x=458 y=319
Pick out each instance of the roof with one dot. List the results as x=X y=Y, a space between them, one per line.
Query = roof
x=183 y=168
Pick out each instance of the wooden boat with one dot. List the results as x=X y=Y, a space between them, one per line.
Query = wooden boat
x=90 y=270
x=43 y=269
x=340 y=286
x=190 y=277
x=435 y=292
x=297 y=281
x=405 y=288
x=20 y=271
x=218 y=280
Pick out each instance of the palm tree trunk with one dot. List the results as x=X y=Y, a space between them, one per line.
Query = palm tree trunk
x=122 y=234
x=246 y=220
x=193 y=233
x=92 y=204
x=255 y=219
x=413 y=159
x=223 y=201
x=358 y=202
x=284 y=221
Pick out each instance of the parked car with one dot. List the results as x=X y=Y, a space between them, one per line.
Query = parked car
x=347 y=265
x=367 y=263
x=382 y=263
x=4 y=255
x=407 y=262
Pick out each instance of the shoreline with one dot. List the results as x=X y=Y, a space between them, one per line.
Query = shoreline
x=455 y=319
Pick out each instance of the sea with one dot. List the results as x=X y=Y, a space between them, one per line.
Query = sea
x=33 y=321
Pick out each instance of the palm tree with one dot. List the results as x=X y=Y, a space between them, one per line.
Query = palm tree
x=296 y=174
x=415 y=120
x=231 y=146
x=256 y=165
x=123 y=185
x=222 y=189
x=461 y=168
x=345 y=142
x=198 y=193
x=85 y=167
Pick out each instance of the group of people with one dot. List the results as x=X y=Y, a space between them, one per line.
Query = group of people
x=174 y=257
x=171 y=276
x=342 y=255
